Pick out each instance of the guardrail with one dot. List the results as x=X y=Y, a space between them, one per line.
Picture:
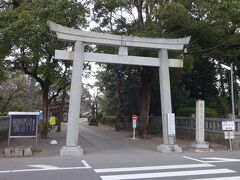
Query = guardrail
x=211 y=124
x=185 y=128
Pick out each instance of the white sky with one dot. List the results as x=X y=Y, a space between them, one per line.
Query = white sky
x=91 y=79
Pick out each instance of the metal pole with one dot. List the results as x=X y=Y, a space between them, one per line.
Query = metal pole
x=232 y=94
x=230 y=141
x=134 y=133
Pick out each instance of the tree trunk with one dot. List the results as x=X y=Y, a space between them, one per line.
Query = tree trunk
x=139 y=6
x=221 y=81
x=119 y=114
x=44 y=127
x=145 y=98
x=31 y=94
x=146 y=78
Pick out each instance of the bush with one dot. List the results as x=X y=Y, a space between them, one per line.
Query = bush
x=185 y=112
x=188 y=111
x=154 y=128
x=3 y=114
x=211 y=113
x=109 y=120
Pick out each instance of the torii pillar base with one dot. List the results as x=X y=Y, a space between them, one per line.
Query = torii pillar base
x=200 y=147
x=71 y=151
x=169 y=148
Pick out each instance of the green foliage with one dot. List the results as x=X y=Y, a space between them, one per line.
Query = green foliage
x=212 y=25
x=26 y=37
x=154 y=128
x=188 y=111
x=214 y=30
x=211 y=113
x=85 y=99
x=108 y=120
x=118 y=83
x=164 y=19
x=3 y=113
x=201 y=81
x=185 y=112
x=1 y=71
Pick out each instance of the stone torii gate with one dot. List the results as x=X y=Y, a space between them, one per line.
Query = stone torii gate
x=123 y=42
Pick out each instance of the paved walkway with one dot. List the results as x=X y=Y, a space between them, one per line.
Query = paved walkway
x=96 y=140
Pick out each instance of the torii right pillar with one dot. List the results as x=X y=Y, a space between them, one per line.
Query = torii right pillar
x=169 y=138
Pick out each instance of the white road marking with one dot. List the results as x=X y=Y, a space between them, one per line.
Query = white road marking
x=35 y=170
x=194 y=159
x=147 y=168
x=41 y=167
x=221 y=178
x=217 y=160
x=213 y=159
x=166 y=174
x=86 y=164
x=44 y=166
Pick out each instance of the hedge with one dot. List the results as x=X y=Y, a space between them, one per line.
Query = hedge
x=188 y=111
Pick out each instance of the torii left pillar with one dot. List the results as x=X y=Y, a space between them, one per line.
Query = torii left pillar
x=72 y=148
x=169 y=144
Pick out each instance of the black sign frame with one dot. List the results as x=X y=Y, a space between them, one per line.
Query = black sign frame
x=23 y=125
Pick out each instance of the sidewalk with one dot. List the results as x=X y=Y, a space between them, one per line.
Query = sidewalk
x=43 y=147
x=95 y=140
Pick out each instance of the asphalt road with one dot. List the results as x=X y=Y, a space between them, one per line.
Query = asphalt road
x=125 y=166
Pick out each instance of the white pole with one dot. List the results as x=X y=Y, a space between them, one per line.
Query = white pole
x=230 y=140
x=134 y=133
x=232 y=93
x=134 y=125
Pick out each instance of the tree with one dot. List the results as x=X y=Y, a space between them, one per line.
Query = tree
x=85 y=98
x=14 y=93
x=109 y=14
x=214 y=30
x=213 y=26
x=32 y=45
x=8 y=91
x=119 y=87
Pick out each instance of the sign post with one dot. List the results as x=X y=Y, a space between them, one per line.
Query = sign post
x=229 y=127
x=134 y=125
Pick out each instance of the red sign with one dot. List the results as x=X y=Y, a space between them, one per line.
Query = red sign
x=134 y=117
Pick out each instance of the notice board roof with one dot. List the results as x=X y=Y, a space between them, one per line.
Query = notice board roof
x=23 y=113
